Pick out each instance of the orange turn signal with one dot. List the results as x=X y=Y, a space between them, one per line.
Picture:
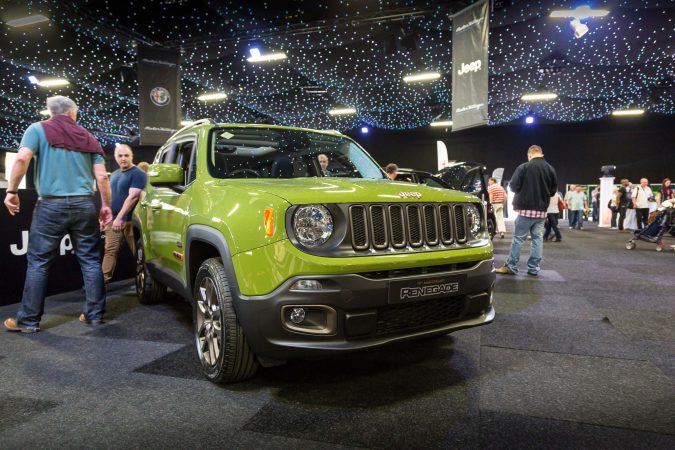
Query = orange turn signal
x=268 y=221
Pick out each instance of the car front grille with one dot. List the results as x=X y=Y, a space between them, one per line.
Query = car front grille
x=419 y=315
x=398 y=226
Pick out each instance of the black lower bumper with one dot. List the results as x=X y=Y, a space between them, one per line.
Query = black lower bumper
x=363 y=312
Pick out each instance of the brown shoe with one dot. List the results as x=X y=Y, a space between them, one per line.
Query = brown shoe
x=504 y=270
x=83 y=319
x=12 y=325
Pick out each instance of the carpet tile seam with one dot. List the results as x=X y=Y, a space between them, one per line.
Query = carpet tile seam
x=583 y=423
x=568 y=353
x=243 y=428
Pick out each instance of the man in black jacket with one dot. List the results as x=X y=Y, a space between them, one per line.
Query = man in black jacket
x=533 y=182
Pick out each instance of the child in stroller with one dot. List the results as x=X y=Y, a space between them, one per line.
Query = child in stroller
x=663 y=222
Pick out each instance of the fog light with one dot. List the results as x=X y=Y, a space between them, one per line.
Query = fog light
x=306 y=285
x=297 y=315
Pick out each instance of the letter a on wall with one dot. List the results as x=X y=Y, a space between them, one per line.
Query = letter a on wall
x=470 y=30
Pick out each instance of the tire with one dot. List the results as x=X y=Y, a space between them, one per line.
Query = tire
x=148 y=290
x=221 y=345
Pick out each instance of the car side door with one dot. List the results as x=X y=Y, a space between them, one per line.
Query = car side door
x=170 y=207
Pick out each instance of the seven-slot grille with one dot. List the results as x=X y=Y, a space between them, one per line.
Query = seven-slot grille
x=398 y=226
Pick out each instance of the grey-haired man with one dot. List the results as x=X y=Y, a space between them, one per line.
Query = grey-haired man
x=68 y=158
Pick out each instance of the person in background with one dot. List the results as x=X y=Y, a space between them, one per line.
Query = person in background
x=126 y=183
x=552 y=218
x=577 y=202
x=595 y=202
x=614 y=207
x=533 y=183
x=144 y=166
x=323 y=163
x=622 y=201
x=69 y=158
x=392 y=171
x=497 y=196
x=642 y=195
x=666 y=192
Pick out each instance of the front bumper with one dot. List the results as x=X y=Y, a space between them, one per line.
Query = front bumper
x=367 y=310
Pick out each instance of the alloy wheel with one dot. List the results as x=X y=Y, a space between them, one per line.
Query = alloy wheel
x=209 y=325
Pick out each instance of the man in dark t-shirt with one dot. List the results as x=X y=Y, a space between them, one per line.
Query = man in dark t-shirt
x=623 y=200
x=126 y=185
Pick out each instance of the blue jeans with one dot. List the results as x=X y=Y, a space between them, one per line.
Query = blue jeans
x=525 y=226
x=576 y=218
x=52 y=220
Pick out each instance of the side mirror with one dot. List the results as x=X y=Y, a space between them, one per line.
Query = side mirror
x=165 y=174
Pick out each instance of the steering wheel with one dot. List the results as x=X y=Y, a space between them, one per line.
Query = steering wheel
x=236 y=172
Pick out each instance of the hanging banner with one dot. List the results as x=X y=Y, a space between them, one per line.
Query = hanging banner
x=470 y=30
x=159 y=94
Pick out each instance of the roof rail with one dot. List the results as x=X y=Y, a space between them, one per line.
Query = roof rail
x=196 y=122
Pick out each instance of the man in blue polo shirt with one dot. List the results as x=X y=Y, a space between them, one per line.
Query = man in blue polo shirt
x=68 y=158
x=126 y=183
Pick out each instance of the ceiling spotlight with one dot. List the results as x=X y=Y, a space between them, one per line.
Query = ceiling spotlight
x=539 y=96
x=256 y=56
x=579 y=28
x=529 y=120
x=212 y=96
x=423 y=76
x=365 y=130
x=25 y=21
x=55 y=82
x=442 y=123
x=342 y=111
x=628 y=112
x=33 y=79
x=579 y=13
x=45 y=112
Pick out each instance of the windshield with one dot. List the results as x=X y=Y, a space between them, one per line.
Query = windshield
x=463 y=177
x=279 y=153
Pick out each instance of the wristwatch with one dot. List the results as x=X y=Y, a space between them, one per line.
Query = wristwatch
x=12 y=192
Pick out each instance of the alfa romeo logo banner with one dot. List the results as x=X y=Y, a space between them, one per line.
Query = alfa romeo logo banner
x=470 y=29
x=159 y=94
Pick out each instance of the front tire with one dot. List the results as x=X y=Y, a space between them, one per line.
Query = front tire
x=221 y=345
x=148 y=290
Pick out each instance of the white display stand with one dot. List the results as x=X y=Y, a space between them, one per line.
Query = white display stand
x=606 y=192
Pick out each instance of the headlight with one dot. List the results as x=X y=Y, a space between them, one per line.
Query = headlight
x=473 y=218
x=313 y=225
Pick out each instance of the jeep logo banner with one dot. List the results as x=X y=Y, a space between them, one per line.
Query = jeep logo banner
x=426 y=288
x=470 y=29
x=64 y=274
x=159 y=94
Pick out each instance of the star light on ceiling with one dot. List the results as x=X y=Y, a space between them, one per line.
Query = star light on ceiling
x=341 y=50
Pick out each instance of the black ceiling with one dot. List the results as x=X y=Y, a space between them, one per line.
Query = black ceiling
x=356 y=50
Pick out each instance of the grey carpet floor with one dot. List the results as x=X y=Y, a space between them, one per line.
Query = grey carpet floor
x=581 y=357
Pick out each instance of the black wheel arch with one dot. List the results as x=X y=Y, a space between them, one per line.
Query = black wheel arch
x=201 y=243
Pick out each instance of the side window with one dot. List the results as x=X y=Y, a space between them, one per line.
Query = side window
x=184 y=158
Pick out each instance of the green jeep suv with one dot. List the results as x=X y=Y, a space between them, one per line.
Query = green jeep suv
x=282 y=257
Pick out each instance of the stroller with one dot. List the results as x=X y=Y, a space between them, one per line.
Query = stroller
x=663 y=222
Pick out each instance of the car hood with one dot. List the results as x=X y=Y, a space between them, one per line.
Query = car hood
x=347 y=190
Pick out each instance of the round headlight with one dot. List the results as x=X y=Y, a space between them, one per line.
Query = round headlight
x=313 y=225
x=473 y=217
